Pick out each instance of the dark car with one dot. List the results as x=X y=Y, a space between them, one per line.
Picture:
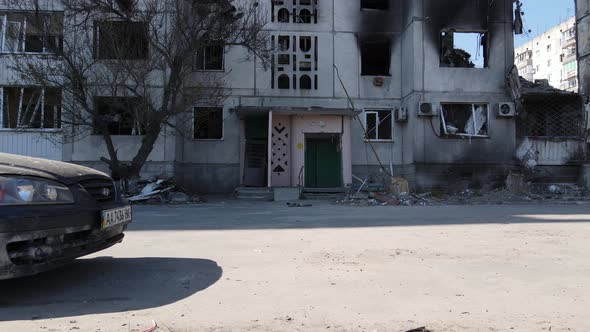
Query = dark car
x=53 y=212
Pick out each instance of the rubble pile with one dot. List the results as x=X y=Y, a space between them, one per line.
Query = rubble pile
x=160 y=190
x=512 y=194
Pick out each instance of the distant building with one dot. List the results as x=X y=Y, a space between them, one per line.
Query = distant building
x=551 y=56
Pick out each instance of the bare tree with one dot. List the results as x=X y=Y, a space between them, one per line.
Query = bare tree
x=127 y=66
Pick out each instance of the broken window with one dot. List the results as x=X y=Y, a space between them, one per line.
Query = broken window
x=283 y=82
x=30 y=107
x=375 y=4
x=464 y=120
x=122 y=40
x=208 y=123
x=119 y=115
x=464 y=49
x=376 y=57
x=379 y=125
x=31 y=32
x=209 y=57
x=305 y=82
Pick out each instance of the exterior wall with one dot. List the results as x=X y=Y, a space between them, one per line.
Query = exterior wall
x=536 y=64
x=415 y=75
x=33 y=144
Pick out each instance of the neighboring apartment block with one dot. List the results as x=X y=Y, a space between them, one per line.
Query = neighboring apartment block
x=551 y=56
x=356 y=89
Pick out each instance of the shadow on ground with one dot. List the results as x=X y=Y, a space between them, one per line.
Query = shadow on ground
x=105 y=285
x=234 y=215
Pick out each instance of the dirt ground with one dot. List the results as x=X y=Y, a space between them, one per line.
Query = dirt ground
x=232 y=266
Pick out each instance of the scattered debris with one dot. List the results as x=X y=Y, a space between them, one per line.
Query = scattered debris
x=160 y=190
x=420 y=329
x=296 y=204
x=153 y=328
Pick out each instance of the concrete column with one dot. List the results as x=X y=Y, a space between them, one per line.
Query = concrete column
x=269 y=143
x=347 y=150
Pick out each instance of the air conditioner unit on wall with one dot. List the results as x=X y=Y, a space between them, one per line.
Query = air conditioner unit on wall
x=426 y=109
x=401 y=114
x=506 y=110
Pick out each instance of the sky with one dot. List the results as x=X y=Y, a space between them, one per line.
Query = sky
x=540 y=15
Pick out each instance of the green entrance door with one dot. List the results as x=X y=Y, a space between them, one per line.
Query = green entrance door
x=323 y=162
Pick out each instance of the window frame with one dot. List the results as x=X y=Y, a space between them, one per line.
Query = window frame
x=56 y=121
x=22 y=35
x=193 y=138
x=457 y=136
x=378 y=121
x=204 y=49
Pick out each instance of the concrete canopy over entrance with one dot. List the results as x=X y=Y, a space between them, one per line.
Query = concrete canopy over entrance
x=287 y=143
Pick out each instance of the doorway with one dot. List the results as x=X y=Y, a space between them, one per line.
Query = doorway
x=256 y=156
x=323 y=161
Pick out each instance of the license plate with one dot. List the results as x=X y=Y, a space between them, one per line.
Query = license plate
x=115 y=216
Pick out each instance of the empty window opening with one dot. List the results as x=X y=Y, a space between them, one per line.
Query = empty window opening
x=283 y=43
x=31 y=32
x=283 y=15
x=210 y=57
x=464 y=120
x=121 y=40
x=305 y=2
x=119 y=116
x=283 y=82
x=305 y=43
x=464 y=49
x=375 y=4
x=304 y=16
x=305 y=82
x=379 y=125
x=208 y=123
x=376 y=58
x=30 y=107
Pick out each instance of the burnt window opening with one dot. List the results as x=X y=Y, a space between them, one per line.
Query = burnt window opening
x=30 y=108
x=464 y=49
x=209 y=57
x=464 y=120
x=31 y=32
x=283 y=15
x=284 y=82
x=121 y=40
x=119 y=116
x=375 y=57
x=305 y=82
x=208 y=123
x=379 y=125
x=375 y=4
x=305 y=43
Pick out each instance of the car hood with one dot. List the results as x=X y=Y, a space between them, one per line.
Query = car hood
x=55 y=170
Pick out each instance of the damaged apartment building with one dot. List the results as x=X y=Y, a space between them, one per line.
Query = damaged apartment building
x=357 y=90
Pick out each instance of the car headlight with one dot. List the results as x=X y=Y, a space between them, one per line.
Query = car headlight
x=32 y=191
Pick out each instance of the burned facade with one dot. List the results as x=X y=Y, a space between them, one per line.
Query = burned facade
x=355 y=90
